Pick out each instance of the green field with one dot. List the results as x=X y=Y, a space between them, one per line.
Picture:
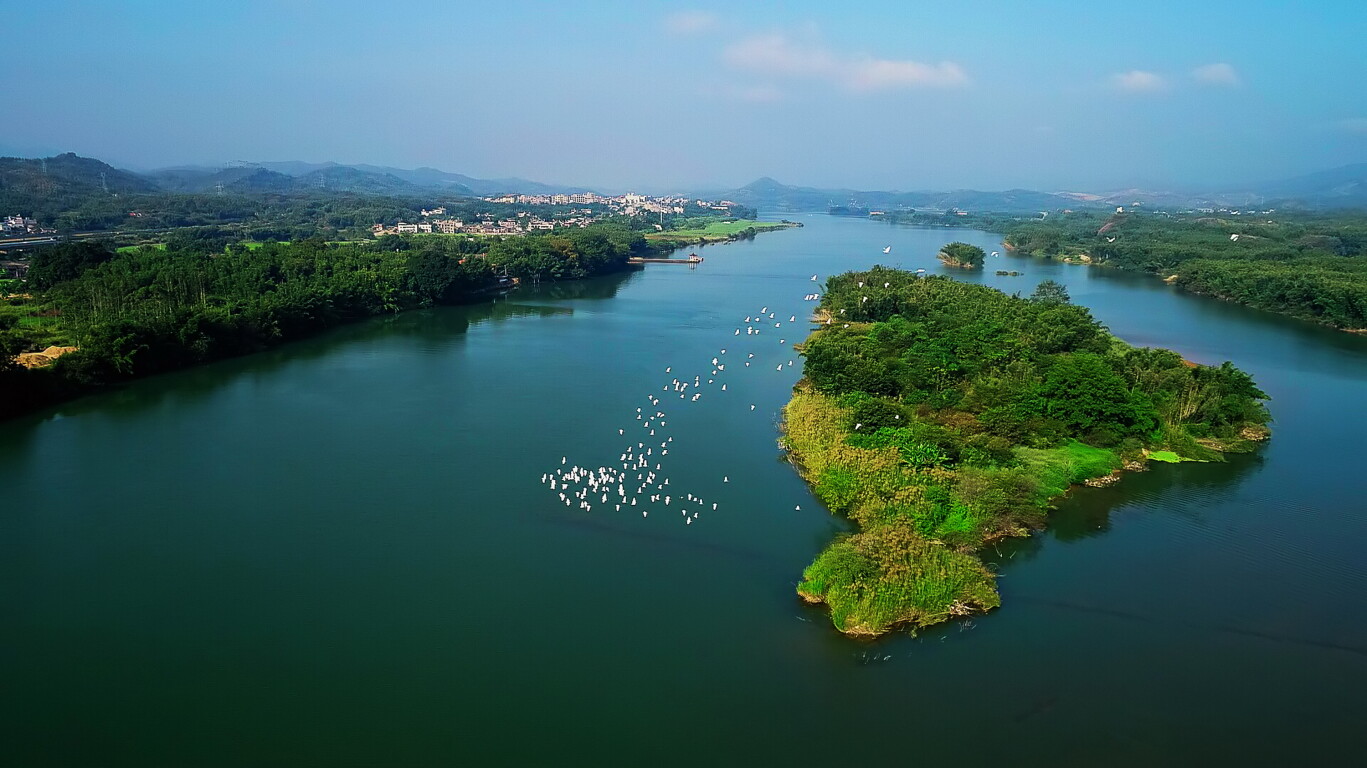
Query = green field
x=716 y=231
x=250 y=245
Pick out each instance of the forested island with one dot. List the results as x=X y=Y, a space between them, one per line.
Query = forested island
x=962 y=255
x=940 y=416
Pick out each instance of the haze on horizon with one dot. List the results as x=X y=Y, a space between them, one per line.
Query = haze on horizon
x=875 y=95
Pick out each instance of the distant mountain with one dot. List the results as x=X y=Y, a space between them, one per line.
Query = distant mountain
x=432 y=178
x=767 y=194
x=360 y=177
x=344 y=178
x=65 y=176
x=239 y=179
x=1341 y=187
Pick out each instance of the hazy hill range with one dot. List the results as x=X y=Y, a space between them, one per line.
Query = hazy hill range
x=362 y=178
x=65 y=181
x=66 y=175
x=768 y=194
x=1342 y=187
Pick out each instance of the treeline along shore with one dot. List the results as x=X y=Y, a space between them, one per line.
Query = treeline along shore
x=939 y=417
x=1312 y=267
x=134 y=312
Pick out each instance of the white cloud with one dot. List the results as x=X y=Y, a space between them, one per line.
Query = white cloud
x=1216 y=74
x=690 y=22
x=778 y=55
x=775 y=54
x=1138 y=81
x=871 y=74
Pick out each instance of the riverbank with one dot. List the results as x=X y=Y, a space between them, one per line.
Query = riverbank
x=948 y=416
x=1304 y=266
x=129 y=314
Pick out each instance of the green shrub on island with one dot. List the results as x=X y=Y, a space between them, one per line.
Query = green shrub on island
x=940 y=416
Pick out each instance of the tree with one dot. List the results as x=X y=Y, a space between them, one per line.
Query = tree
x=1050 y=292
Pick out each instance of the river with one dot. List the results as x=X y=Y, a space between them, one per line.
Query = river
x=339 y=552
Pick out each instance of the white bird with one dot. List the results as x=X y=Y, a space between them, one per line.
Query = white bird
x=752 y=406
x=887 y=249
x=813 y=277
x=726 y=479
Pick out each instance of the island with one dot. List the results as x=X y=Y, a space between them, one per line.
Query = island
x=940 y=417
x=962 y=255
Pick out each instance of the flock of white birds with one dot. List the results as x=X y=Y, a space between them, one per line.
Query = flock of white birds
x=638 y=477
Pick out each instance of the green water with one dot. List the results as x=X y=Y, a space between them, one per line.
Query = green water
x=340 y=553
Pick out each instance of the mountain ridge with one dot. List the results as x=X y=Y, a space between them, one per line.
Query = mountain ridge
x=69 y=175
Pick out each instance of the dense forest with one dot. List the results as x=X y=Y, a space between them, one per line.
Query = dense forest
x=135 y=312
x=941 y=416
x=1311 y=267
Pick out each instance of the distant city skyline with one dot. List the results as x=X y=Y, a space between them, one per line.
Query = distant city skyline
x=1050 y=96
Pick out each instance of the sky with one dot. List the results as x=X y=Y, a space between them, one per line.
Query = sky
x=658 y=96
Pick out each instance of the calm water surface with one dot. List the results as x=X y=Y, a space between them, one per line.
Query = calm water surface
x=339 y=553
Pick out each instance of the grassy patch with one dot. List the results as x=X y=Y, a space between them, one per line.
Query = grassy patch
x=1167 y=456
x=1058 y=468
x=715 y=231
x=901 y=568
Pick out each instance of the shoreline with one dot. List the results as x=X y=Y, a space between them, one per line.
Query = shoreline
x=33 y=389
x=971 y=601
x=929 y=475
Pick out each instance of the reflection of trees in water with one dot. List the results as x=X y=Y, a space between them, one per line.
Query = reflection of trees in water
x=1086 y=512
x=605 y=287
x=436 y=326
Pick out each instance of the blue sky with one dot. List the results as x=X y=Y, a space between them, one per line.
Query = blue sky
x=653 y=95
